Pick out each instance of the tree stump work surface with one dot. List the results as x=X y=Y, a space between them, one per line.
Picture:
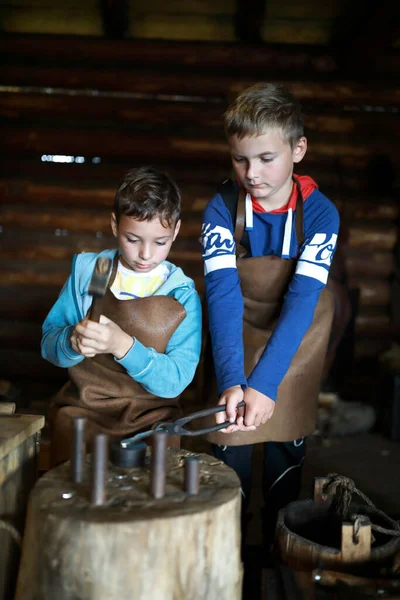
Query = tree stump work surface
x=179 y=547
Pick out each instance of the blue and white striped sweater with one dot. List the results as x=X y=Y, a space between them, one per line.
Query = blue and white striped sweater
x=224 y=298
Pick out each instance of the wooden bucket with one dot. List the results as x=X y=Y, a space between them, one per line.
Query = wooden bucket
x=132 y=545
x=309 y=535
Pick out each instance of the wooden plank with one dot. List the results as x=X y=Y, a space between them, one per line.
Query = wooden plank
x=369 y=263
x=377 y=237
x=188 y=54
x=91 y=173
x=34 y=245
x=66 y=193
x=15 y=429
x=62 y=220
x=214 y=87
x=28 y=103
x=373 y=292
x=21 y=104
x=35 y=141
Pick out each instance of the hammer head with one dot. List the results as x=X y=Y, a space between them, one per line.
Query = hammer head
x=101 y=276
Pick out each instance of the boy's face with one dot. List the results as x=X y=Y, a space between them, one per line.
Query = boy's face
x=143 y=244
x=264 y=166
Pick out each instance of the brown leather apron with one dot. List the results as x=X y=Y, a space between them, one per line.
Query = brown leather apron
x=100 y=388
x=264 y=281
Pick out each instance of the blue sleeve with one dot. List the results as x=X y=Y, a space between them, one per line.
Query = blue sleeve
x=57 y=329
x=321 y=224
x=223 y=294
x=167 y=374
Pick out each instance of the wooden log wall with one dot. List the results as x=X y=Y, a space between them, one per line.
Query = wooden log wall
x=104 y=107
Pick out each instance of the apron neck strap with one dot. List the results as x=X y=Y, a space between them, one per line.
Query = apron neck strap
x=240 y=216
x=299 y=213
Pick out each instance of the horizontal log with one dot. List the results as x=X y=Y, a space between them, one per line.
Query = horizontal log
x=103 y=110
x=373 y=323
x=32 y=245
x=65 y=193
x=30 y=141
x=182 y=54
x=194 y=197
x=324 y=171
x=219 y=86
x=368 y=208
x=369 y=263
x=373 y=237
x=63 y=220
x=373 y=292
x=91 y=173
x=55 y=273
x=21 y=105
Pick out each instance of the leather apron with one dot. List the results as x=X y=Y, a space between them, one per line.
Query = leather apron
x=101 y=390
x=264 y=281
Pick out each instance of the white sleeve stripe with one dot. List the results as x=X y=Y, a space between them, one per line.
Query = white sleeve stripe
x=224 y=261
x=311 y=270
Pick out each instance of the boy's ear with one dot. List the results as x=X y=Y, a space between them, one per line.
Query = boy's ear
x=177 y=228
x=300 y=149
x=114 y=225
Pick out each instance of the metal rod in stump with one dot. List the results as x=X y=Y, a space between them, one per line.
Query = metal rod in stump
x=158 y=464
x=78 y=449
x=192 y=475
x=99 y=469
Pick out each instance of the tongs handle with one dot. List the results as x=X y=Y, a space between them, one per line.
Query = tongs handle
x=178 y=428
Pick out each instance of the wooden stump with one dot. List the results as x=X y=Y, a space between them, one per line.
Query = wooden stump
x=179 y=547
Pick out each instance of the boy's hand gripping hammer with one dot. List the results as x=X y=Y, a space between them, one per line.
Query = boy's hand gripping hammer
x=98 y=286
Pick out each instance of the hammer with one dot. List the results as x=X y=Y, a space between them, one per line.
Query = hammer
x=98 y=286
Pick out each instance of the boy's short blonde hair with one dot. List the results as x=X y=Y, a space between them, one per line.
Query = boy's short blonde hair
x=262 y=108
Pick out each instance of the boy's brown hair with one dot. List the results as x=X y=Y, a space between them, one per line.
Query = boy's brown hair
x=145 y=193
x=262 y=108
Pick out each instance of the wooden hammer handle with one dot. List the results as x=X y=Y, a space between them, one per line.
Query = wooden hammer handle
x=96 y=308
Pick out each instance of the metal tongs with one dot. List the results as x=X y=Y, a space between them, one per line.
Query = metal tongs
x=177 y=428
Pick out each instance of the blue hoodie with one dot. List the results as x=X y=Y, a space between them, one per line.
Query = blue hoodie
x=163 y=374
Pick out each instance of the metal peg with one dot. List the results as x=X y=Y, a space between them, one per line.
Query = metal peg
x=99 y=469
x=78 y=449
x=158 y=472
x=192 y=475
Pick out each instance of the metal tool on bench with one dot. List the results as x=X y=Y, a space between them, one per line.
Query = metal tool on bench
x=98 y=286
x=130 y=452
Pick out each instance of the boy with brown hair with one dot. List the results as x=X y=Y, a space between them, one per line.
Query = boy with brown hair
x=127 y=371
x=268 y=242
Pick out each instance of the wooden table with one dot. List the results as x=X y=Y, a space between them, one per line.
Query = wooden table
x=19 y=451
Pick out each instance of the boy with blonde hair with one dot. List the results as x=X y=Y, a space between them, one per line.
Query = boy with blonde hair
x=268 y=242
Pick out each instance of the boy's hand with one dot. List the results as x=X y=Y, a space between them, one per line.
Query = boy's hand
x=231 y=397
x=105 y=337
x=259 y=408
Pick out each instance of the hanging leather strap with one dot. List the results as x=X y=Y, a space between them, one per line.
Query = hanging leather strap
x=299 y=214
x=240 y=223
x=240 y=219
